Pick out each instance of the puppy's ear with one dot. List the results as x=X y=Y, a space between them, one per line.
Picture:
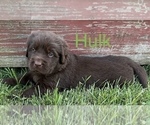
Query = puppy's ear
x=27 y=53
x=27 y=48
x=28 y=44
x=64 y=53
x=29 y=41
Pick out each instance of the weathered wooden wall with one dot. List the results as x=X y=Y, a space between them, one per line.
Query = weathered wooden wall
x=121 y=27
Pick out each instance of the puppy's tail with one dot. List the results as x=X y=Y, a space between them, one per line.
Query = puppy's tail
x=140 y=73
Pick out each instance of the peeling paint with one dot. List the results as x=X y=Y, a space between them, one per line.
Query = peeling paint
x=127 y=23
x=89 y=25
x=137 y=49
x=89 y=8
x=95 y=2
x=54 y=9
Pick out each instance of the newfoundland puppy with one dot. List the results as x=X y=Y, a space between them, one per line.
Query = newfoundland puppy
x=52 y=65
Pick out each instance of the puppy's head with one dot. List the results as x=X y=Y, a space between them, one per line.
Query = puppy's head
x=46 y=52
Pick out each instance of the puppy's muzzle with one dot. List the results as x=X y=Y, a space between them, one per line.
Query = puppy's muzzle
x=38 y=61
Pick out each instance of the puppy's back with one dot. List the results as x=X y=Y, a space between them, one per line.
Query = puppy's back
x=138 y=70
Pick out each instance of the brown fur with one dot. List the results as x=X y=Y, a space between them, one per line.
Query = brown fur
x=51 y=64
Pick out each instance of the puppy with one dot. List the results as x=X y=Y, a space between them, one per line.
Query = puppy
x=52 y=65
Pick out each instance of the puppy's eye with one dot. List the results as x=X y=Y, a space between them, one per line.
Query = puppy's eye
x=51 y=54
x=33 y=49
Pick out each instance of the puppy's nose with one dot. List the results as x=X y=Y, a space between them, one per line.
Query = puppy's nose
x=38 y=61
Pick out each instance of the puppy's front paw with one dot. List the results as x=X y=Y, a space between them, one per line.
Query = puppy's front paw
x=34 y=90
x=9 y=81
x=28 y=93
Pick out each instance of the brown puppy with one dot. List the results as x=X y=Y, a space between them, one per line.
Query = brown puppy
x=52 y=65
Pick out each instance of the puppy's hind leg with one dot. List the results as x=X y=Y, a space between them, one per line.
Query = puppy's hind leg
x=140 y=73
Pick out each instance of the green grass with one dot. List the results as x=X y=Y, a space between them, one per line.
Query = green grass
x=74 y=101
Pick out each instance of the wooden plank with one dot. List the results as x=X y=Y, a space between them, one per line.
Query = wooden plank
x=74 y=10
x=124 y=37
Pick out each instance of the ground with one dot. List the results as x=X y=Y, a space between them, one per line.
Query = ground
x=80 y=105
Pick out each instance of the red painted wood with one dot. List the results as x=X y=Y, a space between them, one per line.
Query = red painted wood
x=75 y=10
x=125 y=24
x=129 y=38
